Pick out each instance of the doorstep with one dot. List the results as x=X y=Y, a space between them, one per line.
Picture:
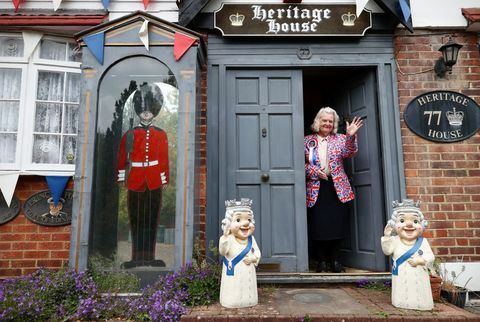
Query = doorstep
x=321 y=278
x=333 y=303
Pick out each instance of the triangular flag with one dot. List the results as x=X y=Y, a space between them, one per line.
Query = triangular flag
x=8 y=182
x=145 y=3
x=96 y=43
x=360 y=6
x=143 y=34
x=30 y=40
x=57 y=186
x=181 y=44
x=105 y=3
x=56 y=4
x=16 y=4
x=405 y=9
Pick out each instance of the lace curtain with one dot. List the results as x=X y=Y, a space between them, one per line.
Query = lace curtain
x=56 y=117
x=10 y=85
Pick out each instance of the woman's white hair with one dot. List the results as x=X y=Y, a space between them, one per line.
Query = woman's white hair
x=315 y=127
x=229 y=213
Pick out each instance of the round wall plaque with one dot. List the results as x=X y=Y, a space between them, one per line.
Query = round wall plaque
x=8 y=213
x=443 y=116
x=40 y=209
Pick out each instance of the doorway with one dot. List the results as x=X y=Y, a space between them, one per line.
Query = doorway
x=353 y=92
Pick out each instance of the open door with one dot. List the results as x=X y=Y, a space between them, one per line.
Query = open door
x=265 y=160
x=357 y=97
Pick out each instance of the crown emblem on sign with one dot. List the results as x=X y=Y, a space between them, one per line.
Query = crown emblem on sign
x=455 y=118
x=237 y=205
x=237 y=19
x=406 y=204
x=349 y=19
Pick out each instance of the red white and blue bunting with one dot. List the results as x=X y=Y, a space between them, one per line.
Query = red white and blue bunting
x=8 y=182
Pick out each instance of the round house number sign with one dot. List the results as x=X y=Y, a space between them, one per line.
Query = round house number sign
x=443 y=116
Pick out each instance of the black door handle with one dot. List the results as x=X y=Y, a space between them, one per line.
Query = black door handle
x=265 y=177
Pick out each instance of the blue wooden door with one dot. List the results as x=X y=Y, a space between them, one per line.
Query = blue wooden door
x=264 y=138
x=362 y=249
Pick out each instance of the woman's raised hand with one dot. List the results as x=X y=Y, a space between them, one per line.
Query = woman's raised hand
x=353 y=127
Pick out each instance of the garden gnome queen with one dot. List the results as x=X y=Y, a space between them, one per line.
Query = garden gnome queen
x=411 y=256
x=240 y=256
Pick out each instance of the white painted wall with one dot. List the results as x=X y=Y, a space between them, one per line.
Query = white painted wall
x=164 y=9
x=470 y=275
x=425 y=13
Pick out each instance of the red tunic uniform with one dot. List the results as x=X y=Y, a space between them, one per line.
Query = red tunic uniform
x=148 y=159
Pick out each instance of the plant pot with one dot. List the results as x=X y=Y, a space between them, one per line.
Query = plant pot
x=457 y=296
x=436 y=285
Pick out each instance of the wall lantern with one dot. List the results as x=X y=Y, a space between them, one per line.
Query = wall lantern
x=450 y=54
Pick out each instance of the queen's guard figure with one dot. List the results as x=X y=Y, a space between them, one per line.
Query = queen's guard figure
x=240 y=256
x=411 y=256
x=143 y=163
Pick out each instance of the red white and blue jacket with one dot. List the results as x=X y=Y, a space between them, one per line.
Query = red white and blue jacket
x=339 y=147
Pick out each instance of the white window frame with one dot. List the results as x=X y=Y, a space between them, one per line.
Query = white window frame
x=30 y=68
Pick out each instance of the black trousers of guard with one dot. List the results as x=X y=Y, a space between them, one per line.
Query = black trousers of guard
x=144 y=213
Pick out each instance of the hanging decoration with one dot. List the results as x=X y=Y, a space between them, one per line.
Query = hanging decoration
x=105 y=3
x=181 y=44
x=8 y=182
x=143 y=34
x=360 y=6
x=95 y=43
x=56 y=4
x=16 y=4
x=405 y=7
x=145 y=3
x=57 y=186
x=30 y=40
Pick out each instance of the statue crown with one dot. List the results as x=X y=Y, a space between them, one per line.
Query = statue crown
x=406 y=204
x=455 y=118
x=349 y=19
x=235 y=204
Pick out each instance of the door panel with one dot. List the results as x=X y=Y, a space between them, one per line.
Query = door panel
x=265 y=160
x=362 y=249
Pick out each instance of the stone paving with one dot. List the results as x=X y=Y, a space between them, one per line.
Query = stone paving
x=335 y=304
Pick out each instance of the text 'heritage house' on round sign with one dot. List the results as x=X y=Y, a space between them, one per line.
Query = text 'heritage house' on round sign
x=443 y=116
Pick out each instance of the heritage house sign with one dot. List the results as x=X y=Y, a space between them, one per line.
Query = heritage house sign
x=291 y=20
x=443 y=116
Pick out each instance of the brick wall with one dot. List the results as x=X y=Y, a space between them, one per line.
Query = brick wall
x=26 y=246
x=445 y=177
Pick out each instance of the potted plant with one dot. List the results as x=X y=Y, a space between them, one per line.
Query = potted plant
x=435 y=280
x=451 y=291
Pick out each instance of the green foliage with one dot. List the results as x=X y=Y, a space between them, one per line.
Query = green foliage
x=110 y=279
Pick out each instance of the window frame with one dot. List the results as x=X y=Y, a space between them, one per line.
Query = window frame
x=31 y=66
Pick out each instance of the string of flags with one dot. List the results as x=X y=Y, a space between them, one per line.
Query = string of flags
x=9 y=179
x=96 y=42
x=402 y=5
x=57 y=3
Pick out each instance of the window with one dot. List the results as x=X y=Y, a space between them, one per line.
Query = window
x=39 y=103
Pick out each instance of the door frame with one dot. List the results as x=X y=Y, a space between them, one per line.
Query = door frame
x=245 y=54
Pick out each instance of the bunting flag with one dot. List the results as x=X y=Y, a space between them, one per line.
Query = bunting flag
x=57 y=186
x=143 y=34
x=56 y=4
x=145 y=3
x=105 y=3
x=405 y=7
x=95 y=43
x=8 y=182
x=16 y=4
x=181 y=44
x=30 y=40
x=360 y=6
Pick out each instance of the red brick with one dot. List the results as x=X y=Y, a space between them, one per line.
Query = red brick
x=61 y=237
x=50 y=263
x=36 y=254
x=11 y=255
x=12 y=237
x=26 y=228
x=38 y=237
x=59 y=254
x=23 y=263
x=12 y=272
x=5 y=246
x=24 y=246
x=50 y=245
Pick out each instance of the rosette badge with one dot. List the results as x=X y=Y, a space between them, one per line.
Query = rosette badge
x=237 y=19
